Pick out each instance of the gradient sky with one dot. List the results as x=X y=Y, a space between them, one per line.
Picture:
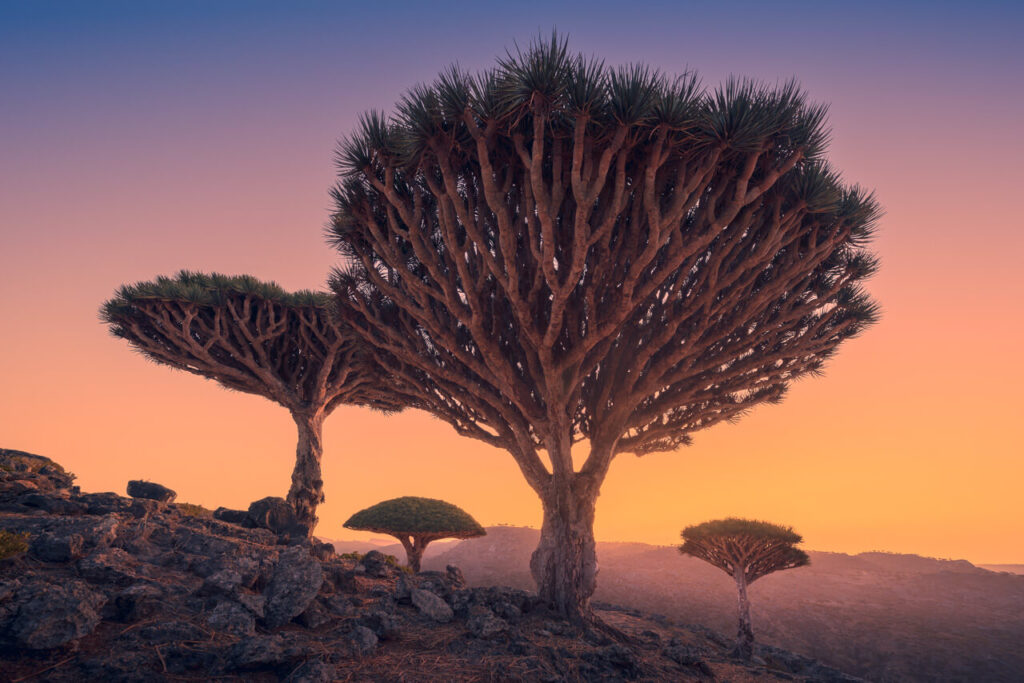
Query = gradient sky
x=138 y=138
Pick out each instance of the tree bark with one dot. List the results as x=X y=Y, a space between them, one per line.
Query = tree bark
x=414 y=546
x=307 y=490
x=564 y=565
x=745 y=633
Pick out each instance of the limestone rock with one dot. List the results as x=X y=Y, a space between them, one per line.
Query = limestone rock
x=50 y=615
x=296 y=581
x=151 y=491
x=431 y=606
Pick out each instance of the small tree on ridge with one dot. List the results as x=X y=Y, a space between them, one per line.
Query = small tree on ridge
x=416 y=522
x=745 y=550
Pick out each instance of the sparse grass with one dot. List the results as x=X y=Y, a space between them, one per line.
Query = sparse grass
x=12 y=543
x=194 y=510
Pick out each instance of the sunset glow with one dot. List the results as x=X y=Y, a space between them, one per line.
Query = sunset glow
x=143 y=139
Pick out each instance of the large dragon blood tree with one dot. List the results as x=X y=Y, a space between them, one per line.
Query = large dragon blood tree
x=255 y=337
x=556 y=251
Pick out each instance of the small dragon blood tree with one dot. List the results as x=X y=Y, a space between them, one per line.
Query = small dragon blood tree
x=255 y=337
x=416 y=522
x=745 y=550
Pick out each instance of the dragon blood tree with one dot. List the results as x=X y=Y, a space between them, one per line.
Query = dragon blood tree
x=556 y=251
x=416 y=522
x=746 y=550
x=254 y=337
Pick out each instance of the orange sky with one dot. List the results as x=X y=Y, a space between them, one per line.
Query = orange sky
x=116 y=170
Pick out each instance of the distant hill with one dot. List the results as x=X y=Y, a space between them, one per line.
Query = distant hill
x=1008 y=568
x=884 y=616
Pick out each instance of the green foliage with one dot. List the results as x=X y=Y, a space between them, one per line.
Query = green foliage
x=205 y=289
x=12 y=543
x=412 y=515
x=192 y=510
x=734 y=526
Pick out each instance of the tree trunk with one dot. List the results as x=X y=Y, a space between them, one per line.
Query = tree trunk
x=745 y=634
x=564 y=565
x=414 y=547
x=307 y=489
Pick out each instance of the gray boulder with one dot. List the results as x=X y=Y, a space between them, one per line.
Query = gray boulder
x=362 y=641
x=277 y=515
x=51 y=615
x=230 y=617
x=230 y=516
x=56 y=547
x=151 y=491
x=483 y=623
x=313 y=671
x=295 y=582
x=376 y=563
x=431 y=606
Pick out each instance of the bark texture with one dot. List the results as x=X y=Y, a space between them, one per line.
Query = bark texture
x=745 y=631
x=307 y=490
x=564 y=565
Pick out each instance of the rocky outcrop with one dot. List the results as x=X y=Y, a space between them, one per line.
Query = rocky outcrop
x=150 y=491
x=137 y=590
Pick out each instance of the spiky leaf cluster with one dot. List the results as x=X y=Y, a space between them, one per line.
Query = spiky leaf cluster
x=412 y=515
x=250 y=336
x=558 y=244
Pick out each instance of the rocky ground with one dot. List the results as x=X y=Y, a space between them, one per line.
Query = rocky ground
x=98 y=586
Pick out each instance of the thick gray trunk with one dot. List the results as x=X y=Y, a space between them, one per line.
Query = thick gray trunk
x=564 y=565
x=414 y=547
x=745 y=633
x=307 y=490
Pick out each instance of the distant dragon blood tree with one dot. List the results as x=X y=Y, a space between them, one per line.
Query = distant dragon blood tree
x=555 y=251
x=745 y=550
x=416 y=522
x=254 y=337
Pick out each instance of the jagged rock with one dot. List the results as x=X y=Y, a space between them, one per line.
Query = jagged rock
x=224 y=582
x=321 y=550
x=456 y=581
x=50 y=615
x=278 y=516
x=403 y=588
x=143 y=508
x=296 y=581
x=615 y=660
x=435 y=582
x=340 y=606
x=171 y=631
x=313 y=671
x=431 y=606
x=687 y=657
x=109 y=565
x=362 y=640
x=103 y=532
x=230 y=617
x=257 y=604
x=137 y=602
x=230 y=516
x=385 y=625
x=376 y=563
x=482 y=623
x=56 y=547
x=102 y=503
x=57 y=505
x=315 y=616
x=151 y=491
